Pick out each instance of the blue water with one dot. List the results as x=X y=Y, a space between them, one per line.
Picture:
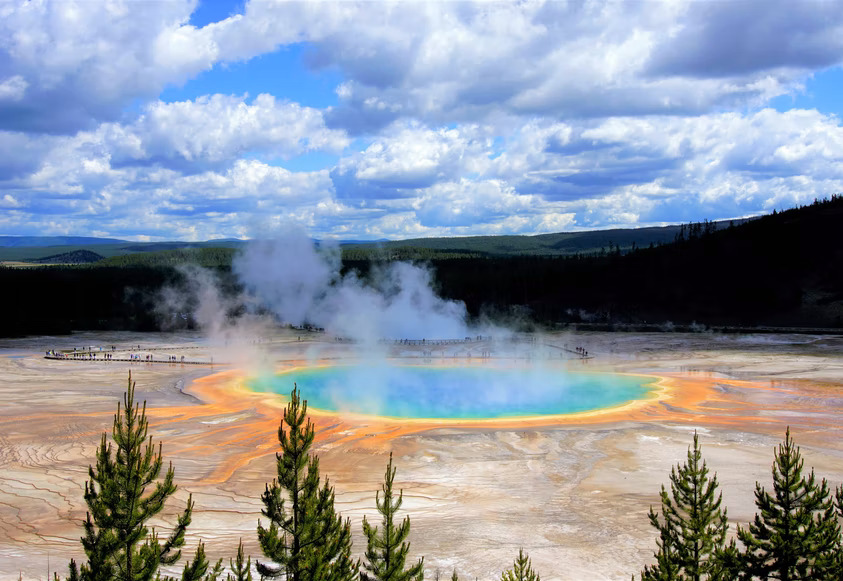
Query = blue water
x=407 y=391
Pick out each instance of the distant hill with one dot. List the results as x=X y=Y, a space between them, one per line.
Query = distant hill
x=208 y=257
x=40 y=248
x=559 y=244
x=40 y=241
x=782 y=270
x=106 y=247
x=74 y=257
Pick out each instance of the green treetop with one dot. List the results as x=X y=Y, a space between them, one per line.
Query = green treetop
x=306 y=539
x=241 y=566
x=692 y=528
x=387 y=548
x=796 y=534
x=522 y=569
x=124 y=492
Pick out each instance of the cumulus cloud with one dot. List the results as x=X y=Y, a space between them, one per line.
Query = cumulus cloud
x=664 y=169
x=737 y=38
x=466 y=203
x=450 y=61
x=80 y=62
x=452 y=117
x=409 y=157
x=211 y=132
x=421 y=181
x=13 y=88
x=218 y=128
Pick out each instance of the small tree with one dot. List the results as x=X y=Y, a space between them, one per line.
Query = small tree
x=118 y=543
x=198 y=568
x=241 y=566
x=306 y=540
x=667 y=559
x=522 y=569
x=796 y=534
x=386 y=550
x=692 y=528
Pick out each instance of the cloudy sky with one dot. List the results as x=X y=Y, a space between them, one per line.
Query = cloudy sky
x=153 y=120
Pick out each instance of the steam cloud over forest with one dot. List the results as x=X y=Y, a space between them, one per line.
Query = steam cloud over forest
x=301 y=284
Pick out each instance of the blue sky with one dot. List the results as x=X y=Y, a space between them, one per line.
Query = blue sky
x=365 y=120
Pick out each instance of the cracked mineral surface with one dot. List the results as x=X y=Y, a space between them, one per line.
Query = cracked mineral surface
x=574 y=491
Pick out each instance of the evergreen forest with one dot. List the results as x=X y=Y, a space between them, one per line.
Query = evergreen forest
x=782 y=270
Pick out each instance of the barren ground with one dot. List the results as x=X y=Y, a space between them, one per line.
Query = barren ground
x=573 y=491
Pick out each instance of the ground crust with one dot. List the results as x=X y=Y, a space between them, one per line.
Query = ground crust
x=573 y=491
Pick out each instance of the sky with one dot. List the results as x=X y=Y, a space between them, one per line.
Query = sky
x=185 y=120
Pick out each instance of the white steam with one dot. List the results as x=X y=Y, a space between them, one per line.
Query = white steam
x=231 y=333
x=301 y=284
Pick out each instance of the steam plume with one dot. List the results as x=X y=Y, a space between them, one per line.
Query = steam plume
x=302 y=284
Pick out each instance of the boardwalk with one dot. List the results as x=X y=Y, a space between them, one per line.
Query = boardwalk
x=140 y=355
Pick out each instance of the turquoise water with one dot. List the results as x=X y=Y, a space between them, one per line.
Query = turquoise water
x=406 y=391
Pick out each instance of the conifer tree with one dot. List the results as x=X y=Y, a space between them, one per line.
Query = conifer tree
x=306 y=539
x=796 y=534
x=730 y=564
x=667 y=566
x=522 y=569
x=124 y=492
x=241 y=566
x=692 y=528
x=386 y=550
x=198 y=568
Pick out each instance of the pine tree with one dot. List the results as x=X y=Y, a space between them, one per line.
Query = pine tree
x=198 y=568
x=667 y=560
x=386 y=552
x=522 y=569
x=796 y=534
x=241 y=567
x=692 y=528
x=117 y=542
x=306 y=539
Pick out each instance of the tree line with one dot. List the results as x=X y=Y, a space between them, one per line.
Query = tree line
x=781 y=270
x=796 y=534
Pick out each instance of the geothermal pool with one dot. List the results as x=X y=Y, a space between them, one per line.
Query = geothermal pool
x=466 y=392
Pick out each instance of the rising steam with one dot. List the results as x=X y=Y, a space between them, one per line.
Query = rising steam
x=290 y=280
x=303 y=285
x=300 y=284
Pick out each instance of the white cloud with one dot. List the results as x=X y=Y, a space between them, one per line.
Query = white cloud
x=411 y=156
x=79 y=62
x=190 y=136
x=416 y=180
x=473 y=117
x=219 y=128
x=467 y=203
x=13 y=88
x=736 y=38
x=458 y=61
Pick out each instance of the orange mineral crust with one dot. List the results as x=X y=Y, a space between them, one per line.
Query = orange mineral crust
x=565 y=487
x=250 y=420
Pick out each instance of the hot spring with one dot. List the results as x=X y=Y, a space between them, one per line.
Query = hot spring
x=456 y=392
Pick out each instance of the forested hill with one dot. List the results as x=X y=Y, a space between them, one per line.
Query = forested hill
x=37 y=249
x=779 y=270
x=558 y=244
x=784 y=269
